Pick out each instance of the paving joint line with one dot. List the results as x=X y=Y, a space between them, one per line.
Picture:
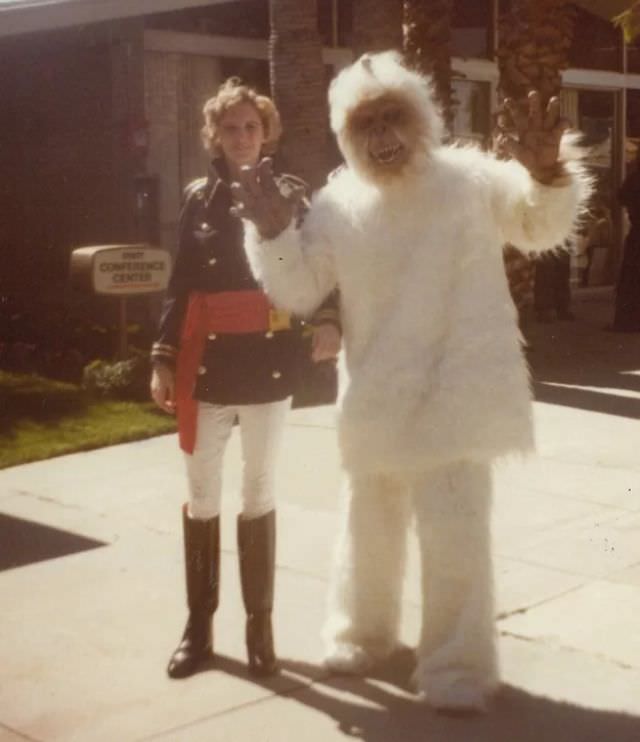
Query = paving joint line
x=232 y=709
x=521 y=611
x=574 y=650
x=19 y=734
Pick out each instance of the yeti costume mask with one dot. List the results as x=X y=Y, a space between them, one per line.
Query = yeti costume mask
x=374 y=76
x=436 y=386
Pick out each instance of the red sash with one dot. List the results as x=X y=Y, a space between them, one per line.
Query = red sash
x=231 y=312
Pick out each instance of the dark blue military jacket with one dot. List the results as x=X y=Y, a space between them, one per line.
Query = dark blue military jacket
x=248 y=368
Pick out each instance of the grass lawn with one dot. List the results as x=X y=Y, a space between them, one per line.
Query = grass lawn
x=40 y=418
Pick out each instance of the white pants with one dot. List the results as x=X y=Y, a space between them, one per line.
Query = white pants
x=457 y=663
x=261 y=430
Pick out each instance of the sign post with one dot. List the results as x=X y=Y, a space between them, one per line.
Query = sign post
x=122 y=271
x=123 y=341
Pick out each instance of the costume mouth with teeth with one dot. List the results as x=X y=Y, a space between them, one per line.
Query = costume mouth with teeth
x=387 y=155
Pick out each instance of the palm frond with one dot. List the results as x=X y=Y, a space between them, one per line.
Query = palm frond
x=629 y=22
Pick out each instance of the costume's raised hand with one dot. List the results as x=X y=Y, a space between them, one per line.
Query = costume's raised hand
x=532 y=135
x=258 y=199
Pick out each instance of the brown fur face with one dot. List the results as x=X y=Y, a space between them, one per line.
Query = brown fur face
x=384 y=134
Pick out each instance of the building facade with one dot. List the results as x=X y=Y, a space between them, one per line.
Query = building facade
x=102 y=110
x=600 y=97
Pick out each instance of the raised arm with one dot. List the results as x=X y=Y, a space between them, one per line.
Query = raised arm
x=538 y=194
x=289 y=252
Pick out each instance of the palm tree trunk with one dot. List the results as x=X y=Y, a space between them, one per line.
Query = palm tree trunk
x=534 y=42
x=427 y=46
x=298 y=87
x=377 y=25
x=535 y=38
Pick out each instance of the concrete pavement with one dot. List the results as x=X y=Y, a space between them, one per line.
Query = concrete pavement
x=89 y=617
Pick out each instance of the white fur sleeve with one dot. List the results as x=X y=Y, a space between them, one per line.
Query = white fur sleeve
x=533 y=216
x=296 y=269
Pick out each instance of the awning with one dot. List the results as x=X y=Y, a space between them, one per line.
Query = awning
x=23 y=16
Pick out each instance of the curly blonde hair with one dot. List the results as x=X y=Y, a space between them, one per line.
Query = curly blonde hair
x=230 y=93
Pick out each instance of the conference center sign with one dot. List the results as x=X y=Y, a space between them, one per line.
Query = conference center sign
x=121 y=270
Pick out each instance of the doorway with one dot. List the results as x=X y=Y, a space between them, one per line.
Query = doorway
x=596 y=249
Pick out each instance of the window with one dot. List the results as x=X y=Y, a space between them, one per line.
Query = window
x=471 y=111
x=597 y=44
x=471 y=29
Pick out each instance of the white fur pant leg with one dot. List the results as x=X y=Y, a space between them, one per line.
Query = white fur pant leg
x=457 y=665
x=366 y=589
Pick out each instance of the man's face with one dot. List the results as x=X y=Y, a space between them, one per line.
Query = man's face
x=241 y=135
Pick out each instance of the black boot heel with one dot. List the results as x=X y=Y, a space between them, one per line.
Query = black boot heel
x=257 y=551
x=262 y=658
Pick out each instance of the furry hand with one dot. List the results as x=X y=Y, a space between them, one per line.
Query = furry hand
x=532 y=135
x=258 y=199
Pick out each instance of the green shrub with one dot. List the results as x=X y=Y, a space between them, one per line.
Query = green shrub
x=29 y=395
x=127 y=380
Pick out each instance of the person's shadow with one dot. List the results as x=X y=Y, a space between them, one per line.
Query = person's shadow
x=381 y=708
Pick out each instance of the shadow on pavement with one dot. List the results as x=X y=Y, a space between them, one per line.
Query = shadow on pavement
x=516 y=716
x=587 y=399
x=582 y=364
x=389 y=712
x=380 y=708
x=25 y=542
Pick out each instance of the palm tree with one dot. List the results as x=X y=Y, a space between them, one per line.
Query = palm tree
x=377 y=25
x=535 y=38
x=629 y=21
x=534 y=41
x=427 y=46
x=298 y=86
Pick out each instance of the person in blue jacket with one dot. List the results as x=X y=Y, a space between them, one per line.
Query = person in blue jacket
x=225 y=353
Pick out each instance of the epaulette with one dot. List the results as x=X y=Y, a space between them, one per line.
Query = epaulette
x=194 y=187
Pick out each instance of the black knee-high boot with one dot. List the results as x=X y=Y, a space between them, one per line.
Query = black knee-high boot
x=257 y=551
x=202 y=562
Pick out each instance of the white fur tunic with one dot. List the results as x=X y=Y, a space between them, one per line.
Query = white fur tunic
x=436 y=371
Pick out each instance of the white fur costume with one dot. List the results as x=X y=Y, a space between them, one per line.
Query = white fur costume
x=437 y=385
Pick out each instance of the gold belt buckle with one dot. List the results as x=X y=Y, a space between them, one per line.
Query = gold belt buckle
x=279 y=319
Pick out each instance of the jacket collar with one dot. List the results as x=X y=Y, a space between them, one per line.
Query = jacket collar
x=217 y=178
x=218 y=171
